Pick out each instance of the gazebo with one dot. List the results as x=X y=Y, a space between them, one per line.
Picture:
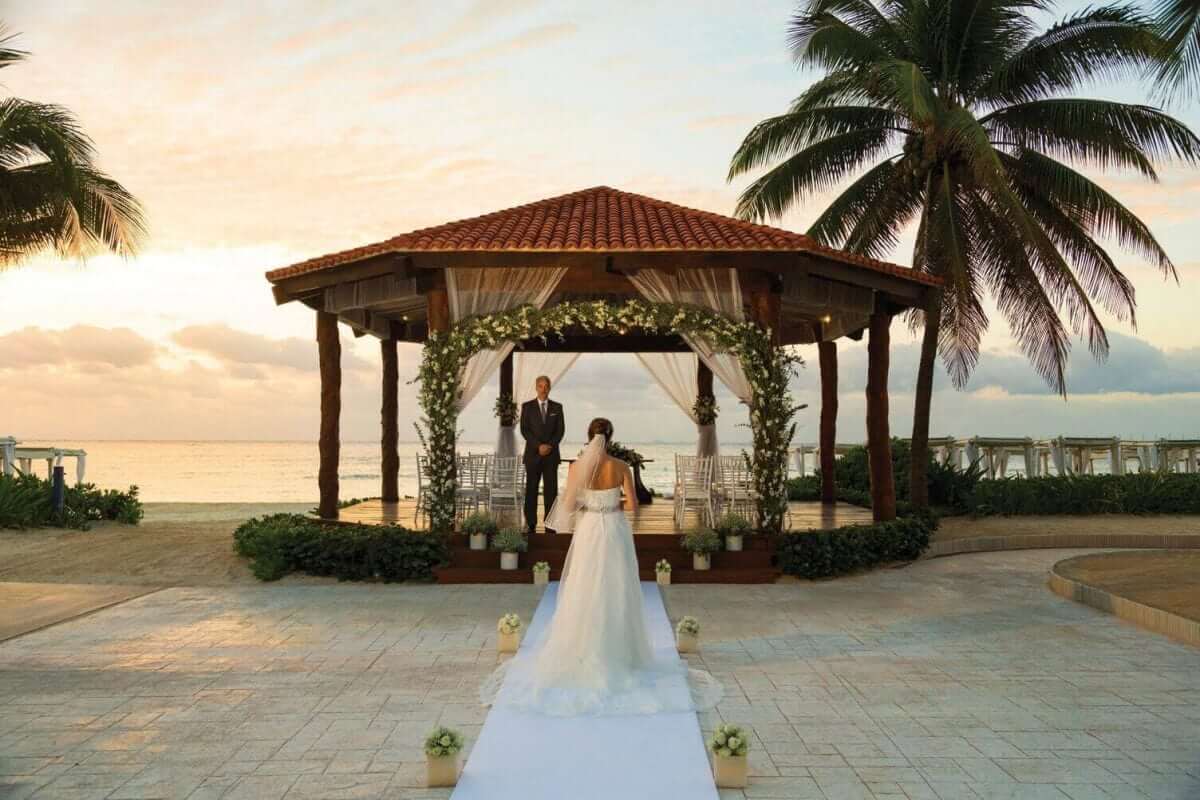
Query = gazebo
x=609 y=271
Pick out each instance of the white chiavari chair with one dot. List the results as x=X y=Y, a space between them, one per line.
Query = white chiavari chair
x=693 y=487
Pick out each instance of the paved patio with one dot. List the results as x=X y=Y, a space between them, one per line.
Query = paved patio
x=955 y=678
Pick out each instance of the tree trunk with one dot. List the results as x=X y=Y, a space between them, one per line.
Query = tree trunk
x=390 y=423
x=919 y=454
x=329 y=349
x=827 y=358
x=879 y=443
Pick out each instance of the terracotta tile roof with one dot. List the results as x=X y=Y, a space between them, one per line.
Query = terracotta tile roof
x=599 y=219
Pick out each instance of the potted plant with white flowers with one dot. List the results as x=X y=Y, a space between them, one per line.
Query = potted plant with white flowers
x=729 y=745
x=511 y=543
x=662 y=572
x=541 y=573
x=508 y=630
x=478 y=527
x=442 y=747
x=731 y=528
x=687 y=635
x=701 y=543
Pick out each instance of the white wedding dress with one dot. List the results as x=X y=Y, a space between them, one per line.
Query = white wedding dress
x=595 y=656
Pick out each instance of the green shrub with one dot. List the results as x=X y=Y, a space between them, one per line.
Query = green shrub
x=1135 y=493
x=25 y=503
x=480 y=522
x=730 y=524
x=510 y=540
x=824 y=554
x=282 y=543
x=701 y=541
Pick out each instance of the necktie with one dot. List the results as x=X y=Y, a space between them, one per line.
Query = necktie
x=543 y=405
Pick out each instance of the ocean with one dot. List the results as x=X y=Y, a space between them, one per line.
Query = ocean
x=283 y=472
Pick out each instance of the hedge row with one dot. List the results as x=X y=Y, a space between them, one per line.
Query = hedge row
x=25 y=503
x=282 y=543
x=1134 y=493
x=824 y=554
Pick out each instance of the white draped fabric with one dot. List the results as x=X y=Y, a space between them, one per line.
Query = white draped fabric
x=676 y=374
x=528 y=366
x=715 y=289
x=473 y=291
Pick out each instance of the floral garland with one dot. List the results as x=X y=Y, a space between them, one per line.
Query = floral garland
x=705 y=408
x=767 y=368
x=627 y=454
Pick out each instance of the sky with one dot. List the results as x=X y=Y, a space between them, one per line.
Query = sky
x=256 y=137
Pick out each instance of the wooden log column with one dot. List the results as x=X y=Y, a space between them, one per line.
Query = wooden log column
x=389 y=413
x=879 y=443
x=506 y=377
x=329 y=349
x=828 y=361
x=704 y=380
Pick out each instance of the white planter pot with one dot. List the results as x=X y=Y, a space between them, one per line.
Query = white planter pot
x=509 y=560
x=687 y=642
x=733 y=544
x=663 y=578
x=479 y=541
x=701 y=561
x=508 y=642
x=729 y=773
x=441 y=771
x=541 y=578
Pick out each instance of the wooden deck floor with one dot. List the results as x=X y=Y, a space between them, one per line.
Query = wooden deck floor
x=655 y=518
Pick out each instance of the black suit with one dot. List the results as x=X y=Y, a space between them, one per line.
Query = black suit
x=538 y=431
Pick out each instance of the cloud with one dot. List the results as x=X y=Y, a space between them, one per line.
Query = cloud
x=242 y=349
x=79 y=345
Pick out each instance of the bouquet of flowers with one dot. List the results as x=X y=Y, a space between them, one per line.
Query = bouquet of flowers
x=662 y=566
x=705 y=409
x=443 y=742
x=729 y=741
x=627 y=454
x=505 y=410
x=509 y=624
x=541 y=566
x=689 y=625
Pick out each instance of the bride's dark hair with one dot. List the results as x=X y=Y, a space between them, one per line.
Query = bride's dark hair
x=600 y=425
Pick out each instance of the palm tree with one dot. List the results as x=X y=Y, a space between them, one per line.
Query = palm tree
x=52 y=195
x=1178 y=23
x=962 y=117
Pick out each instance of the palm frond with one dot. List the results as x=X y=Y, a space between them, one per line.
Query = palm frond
x=1178 y=23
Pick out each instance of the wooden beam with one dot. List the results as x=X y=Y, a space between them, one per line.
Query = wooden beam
x=765 y=311
x=704 y=380
x=828 y=360
x=879 y=444
x=438 y=309
x=389 y=413
x=329 y=349
x=506 y=376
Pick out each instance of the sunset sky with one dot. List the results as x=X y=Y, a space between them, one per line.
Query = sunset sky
x=256 y=138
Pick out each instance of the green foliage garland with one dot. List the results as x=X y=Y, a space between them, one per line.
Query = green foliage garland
x=767 y=368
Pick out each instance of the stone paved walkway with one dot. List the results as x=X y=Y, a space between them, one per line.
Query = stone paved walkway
x=955 y=678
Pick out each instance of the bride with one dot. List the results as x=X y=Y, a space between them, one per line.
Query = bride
x=595 y=656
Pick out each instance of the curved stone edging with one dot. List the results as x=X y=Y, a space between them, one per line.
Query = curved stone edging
x=1155 y=619
x=1048 y=541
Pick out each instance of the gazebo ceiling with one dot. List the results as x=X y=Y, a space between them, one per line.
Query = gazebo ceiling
x=600 y=235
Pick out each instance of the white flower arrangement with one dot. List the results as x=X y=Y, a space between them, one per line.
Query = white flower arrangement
x=729 y=741
x=663 y=566
x=442 y=742
x=767 y=368
x=688 y=625
x=541 y=566
x=509 y=624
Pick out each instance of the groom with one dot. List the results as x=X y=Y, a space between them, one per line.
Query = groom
x=542 y=427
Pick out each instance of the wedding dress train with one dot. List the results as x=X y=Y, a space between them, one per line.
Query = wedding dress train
x=595 y=656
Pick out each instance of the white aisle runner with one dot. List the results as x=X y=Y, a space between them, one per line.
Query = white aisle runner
x=530 y=756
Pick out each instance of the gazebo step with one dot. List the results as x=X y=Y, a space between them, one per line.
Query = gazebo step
x=458 y=574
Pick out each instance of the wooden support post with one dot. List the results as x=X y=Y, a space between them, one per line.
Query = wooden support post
x=828 y=360
x=879 y=443
x=437 y=309
x=704 y=380
x=389 y=413
x=329 y=348
x=765 y=307
x=506 y=376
